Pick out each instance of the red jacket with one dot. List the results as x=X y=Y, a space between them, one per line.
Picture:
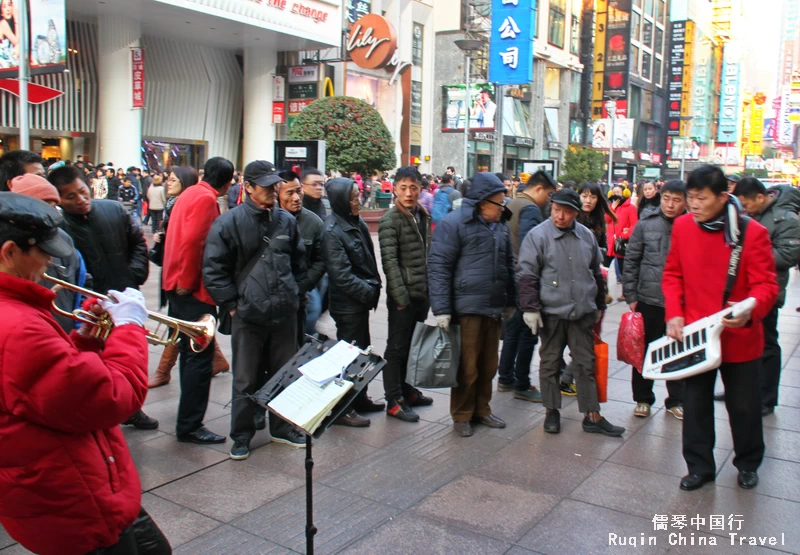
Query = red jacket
x=695 y=274
x=627 y=216
x=68 y=484
x=189 y=223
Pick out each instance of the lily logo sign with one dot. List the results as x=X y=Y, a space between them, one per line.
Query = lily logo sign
x=372 y=44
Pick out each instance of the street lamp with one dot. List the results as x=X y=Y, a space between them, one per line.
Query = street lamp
x=683 y=144
x=611 y=108
x=467 y=46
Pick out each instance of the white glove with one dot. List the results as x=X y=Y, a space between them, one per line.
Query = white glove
x=508 y=313
x=443 y=321
x=534 y=321
x=129 y=308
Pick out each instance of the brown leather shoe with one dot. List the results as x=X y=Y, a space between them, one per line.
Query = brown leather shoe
x=163 y=373
x=352 y=420
x=220 y=363
x=464 y=429
x=490 y=421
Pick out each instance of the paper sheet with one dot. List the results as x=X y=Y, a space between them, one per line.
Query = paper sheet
x=329 y=365
x=306 y=404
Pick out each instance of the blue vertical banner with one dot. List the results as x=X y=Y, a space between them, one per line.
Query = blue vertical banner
x=511 y=42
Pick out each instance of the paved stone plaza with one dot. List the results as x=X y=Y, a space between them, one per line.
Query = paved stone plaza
x=418 y=488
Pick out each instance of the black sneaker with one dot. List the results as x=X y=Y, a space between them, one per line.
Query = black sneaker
x=240 y=450
x=141 y=421
x=417 y=399
x=400 y=410
x=366 y=404
x=602 y=426
x=552 y=422
x=260 y=420
x=292 y=438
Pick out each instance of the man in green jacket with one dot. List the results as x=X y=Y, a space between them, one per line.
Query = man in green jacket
x=405 y=238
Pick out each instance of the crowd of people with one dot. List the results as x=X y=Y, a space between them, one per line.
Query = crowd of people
x=268 y=250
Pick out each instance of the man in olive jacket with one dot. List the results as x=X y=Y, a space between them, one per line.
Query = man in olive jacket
x=405 y=238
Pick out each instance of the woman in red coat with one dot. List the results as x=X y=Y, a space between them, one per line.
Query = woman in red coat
x=67 y=481
x=621 y=229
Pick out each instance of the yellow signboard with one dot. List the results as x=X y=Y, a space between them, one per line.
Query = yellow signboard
x=599 y=59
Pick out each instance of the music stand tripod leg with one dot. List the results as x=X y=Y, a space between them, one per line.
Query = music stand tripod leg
x=311 y=530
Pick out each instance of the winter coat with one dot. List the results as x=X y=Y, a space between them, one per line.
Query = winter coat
x=645 y=258
x=128 y=194
x=354 y=283
x=525 y=215
x=113 y=248
x=559 y=272
x=694 y=280
x=471 y=265
x=783 y=228
x=404 y=254
x=623 y=228
x=156 y=197
x=316 y=206
x=114 y=185
x=311 y=228
x=649 y=205
x=99 y=187
x=67 y=481
x=69 y=269
x=189 y=223
x=271 y=290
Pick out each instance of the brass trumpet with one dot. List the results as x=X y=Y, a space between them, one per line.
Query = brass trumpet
x=201 y=333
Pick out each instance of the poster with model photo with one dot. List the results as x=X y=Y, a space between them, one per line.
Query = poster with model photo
x=480 y=106
x=48 y=36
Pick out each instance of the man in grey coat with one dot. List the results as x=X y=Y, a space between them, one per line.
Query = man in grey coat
x=641 y=286
x=774 y=209
x=561 y=294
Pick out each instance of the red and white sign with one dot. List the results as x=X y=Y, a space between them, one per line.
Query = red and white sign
x=278 y=112
x=656 y=158
x=297 y=106
x=138 y=77
x=37 y=94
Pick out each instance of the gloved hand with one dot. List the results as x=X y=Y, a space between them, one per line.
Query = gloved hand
x=443 y=321
x=508 y=313
x=533 y=321
x=129 y=308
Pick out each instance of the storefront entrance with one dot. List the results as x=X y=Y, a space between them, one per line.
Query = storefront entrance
x=160 y=155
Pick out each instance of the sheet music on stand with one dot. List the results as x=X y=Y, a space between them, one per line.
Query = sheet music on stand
x=305 y=403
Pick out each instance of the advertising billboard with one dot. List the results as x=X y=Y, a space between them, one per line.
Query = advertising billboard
x=48 y=37
x=730 y=98
x=623 y=133
x=511 y=42
x=702 y=68
x=599 y=64
x=675 y=79
x=480 y=105
x=617 y=49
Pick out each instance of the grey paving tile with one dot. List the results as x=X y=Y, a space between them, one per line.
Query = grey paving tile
x=415 y=534
x=658 y=454
x=790 y=377
x=519 y=420
x=785 y=418
x=777 y=478
x=437 y=443
x=166 y=412
x=170 y=391
x=573 y=441
x=5 y=539
x=789 y=396
x=663 y=424
x=782 y=444
x=616 y=412
x=557 y=533
x=15 y=549
x=637 y=492
x=517 y=550
x=179 y=524
x=134 y=436
x=229 y=489
x=381 y=432
x=165 y=459
x=440 y=407
x=538 y=469
x=222 y=426
x=482 y=506
x=339 y=517
x=227 y=540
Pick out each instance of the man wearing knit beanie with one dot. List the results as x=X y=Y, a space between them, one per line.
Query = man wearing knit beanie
x=32 y=185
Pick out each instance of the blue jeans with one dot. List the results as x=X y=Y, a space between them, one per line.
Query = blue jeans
x=314 y=307
x=515 y=359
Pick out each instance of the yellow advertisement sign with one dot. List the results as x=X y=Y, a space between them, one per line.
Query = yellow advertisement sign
x=599 y=59
x=756 y=129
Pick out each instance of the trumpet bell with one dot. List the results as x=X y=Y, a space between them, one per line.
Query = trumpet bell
x=201 y=332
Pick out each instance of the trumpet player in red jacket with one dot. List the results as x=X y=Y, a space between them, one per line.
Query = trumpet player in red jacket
x=694 y=285
x=68 y=485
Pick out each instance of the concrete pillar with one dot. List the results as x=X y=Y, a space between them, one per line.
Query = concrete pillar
x=564 y=93
x=537 y=108
x=119 y=125
x=259 y=131
x=65 y=145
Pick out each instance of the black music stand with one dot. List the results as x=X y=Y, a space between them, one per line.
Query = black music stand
x=361 y=371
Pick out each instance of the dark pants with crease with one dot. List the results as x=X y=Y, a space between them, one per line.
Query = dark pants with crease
x=655 y=327
x=258 y=353
x=480 y=338
x=519 y=343
x=354 y=328
x=401 y=330
x=770 y=360
x=743 y=401
x=195 y=368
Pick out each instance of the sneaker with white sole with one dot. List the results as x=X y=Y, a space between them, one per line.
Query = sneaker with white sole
x=642 y=410
x=240 y=450
x=292 y=439
x=677 y=412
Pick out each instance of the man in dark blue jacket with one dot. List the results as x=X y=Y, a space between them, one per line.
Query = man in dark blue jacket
x=471 y=281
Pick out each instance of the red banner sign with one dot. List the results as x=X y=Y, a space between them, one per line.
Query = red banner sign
x=278 y=112
x=138 y=77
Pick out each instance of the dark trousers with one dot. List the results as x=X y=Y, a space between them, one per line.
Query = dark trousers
x=480 y=337
x=770 y=360
x=258 y=353
x=577 y=334
x=401 y=330
x=156 y=216
x=195 y=368
x=354 y=328
x=519 y=344
x=143 y=537
x=743 y=401
x=654 y=328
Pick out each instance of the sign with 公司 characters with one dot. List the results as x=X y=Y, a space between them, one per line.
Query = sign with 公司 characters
x=511 y=42
x=137 y=66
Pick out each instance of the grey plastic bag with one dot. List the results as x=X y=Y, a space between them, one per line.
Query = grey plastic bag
x=434 y=357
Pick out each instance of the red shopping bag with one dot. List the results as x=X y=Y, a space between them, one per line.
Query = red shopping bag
x=630 y=340
x=601 y=368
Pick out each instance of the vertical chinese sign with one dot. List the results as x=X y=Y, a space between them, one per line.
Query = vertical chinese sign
x=511 y=42
x=138 y=77
x=599 y=64
x=617 y=53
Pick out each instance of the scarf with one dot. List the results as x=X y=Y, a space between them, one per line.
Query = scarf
x=670 y=220
x=727 y=221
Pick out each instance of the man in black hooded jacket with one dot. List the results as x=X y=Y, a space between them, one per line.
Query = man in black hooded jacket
x=354 y=282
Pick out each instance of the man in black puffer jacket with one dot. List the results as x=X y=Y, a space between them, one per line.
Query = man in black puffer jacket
x=254 y=268
x=354 y=282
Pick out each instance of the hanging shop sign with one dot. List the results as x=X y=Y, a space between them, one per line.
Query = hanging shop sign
x=302 y=91
x=730 y=98
x=356 y=9
x=617 y=50
x=511 y=42
x=599 y=64
x=137 y=67
x=416 y=44
x=479 y=105
x=304 y=74
x=278 y=112
x=372 y=44
x=278 y=87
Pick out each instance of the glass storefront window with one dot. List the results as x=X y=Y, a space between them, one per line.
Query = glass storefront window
x=658 y=73
x=647 y=34
x=552 y=83
x=647 y=65
x=158 y=156
x=649 y=6
x=635 y=60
